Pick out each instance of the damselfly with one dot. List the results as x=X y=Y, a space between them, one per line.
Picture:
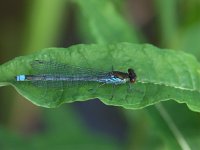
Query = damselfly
x=57 y=74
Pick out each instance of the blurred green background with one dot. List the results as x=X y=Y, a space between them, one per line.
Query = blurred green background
x=28 y=26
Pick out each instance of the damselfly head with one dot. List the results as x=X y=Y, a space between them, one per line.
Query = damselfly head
x=132 y=75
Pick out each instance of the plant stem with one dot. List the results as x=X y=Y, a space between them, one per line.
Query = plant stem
x=172 y=126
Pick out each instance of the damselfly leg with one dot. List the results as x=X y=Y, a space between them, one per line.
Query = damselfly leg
x=94 y=90
x=113 y=89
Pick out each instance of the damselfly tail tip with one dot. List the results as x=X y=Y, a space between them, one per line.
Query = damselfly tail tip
x=20 y=78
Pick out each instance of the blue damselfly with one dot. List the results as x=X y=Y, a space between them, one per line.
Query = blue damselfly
x=47 y=71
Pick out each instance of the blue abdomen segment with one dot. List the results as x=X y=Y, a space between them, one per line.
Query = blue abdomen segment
x=20 y=78
x=112 y=80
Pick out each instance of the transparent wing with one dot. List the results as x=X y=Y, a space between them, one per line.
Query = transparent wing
x=54 y=68
x=57 y=84
x=50 y=67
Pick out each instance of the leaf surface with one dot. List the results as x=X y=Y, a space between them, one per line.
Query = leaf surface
x=100 y=22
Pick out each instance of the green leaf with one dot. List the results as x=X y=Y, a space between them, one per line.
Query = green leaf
x=66 y=133
x=189 y=40
x=100 y=22
x=162 y=75
x=164 y=127
x=167 y=17
x=44 y=23
x=179 y=132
